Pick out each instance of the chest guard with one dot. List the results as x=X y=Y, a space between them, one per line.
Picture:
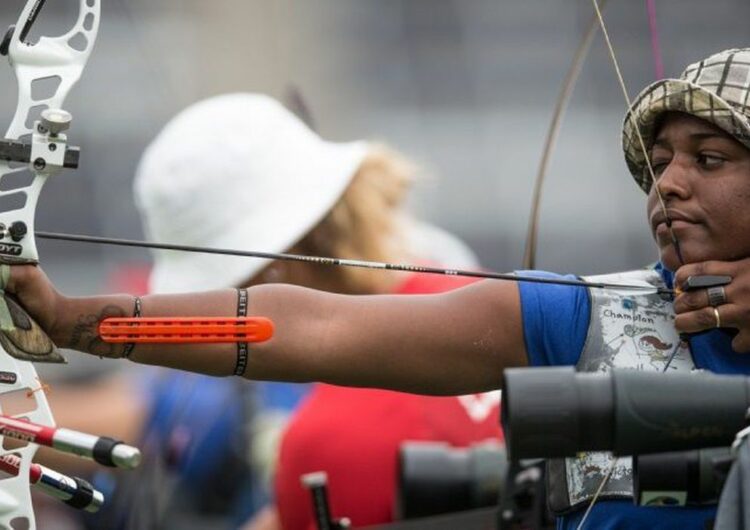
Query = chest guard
x=626 y=331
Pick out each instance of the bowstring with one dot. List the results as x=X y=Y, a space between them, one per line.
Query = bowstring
x=604 y=481
x=641 y=142
x=553 y=133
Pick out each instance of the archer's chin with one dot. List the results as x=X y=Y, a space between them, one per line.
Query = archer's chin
x=669 y=258
x=690 y=253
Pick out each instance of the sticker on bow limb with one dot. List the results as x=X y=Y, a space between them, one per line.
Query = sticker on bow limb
x=8 y=378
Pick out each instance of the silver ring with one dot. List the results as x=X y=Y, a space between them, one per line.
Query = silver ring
x=717 y=317
x=716 y=296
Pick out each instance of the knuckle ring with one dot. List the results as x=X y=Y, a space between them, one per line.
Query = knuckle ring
x=717 y=317
x=716 y=296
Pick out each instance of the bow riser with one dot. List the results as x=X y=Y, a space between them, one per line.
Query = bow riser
x=54 y=65
x=51 y=61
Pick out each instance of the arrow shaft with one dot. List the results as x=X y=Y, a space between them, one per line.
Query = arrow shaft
x=321 y=260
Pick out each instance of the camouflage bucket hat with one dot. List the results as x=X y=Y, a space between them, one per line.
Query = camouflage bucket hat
x=716 y=89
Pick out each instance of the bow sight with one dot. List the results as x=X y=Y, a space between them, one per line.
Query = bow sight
x=48 y=149
x=49 y=152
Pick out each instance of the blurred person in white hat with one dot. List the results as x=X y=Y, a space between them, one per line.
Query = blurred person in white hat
x=240 y=171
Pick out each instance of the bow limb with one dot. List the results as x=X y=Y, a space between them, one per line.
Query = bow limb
x=553 y=132
x=57 y=63
x=641 y=142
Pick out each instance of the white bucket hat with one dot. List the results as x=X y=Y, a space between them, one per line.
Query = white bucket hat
x=235 y=171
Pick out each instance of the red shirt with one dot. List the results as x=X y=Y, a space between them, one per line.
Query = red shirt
x=354 y=435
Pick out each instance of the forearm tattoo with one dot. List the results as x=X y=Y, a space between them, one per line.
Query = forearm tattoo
x=84 y=335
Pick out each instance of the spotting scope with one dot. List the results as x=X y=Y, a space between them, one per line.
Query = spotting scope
x=558 y=412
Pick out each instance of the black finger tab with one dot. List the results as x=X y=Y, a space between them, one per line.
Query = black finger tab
x=706 y=281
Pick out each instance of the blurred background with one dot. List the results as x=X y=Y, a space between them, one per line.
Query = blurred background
x=465 y=87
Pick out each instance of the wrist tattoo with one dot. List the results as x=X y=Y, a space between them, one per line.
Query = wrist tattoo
x=85 y=333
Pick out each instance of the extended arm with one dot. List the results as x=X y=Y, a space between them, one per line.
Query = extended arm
x=456 y=342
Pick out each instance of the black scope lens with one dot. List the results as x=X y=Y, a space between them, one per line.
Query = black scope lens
x=681 y=477
x=435 y=478
x=557 y=412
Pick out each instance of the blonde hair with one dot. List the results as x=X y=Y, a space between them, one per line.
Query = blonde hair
x=365 y=222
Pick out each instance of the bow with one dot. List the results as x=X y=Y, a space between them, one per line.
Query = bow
x=553 y=132
x=35 y=148
x=595 y=25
